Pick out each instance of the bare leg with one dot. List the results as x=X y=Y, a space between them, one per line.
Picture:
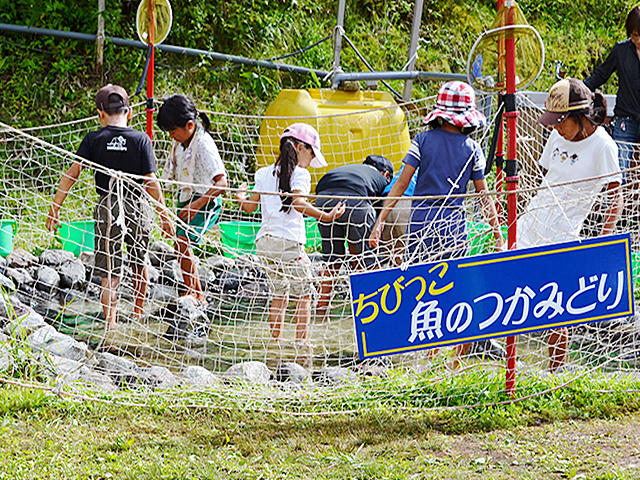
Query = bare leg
x=324 y=299
x=461 y=351
x=189 y=268
x=108 y=299
x=140 y=279
x=558 y=346
x=303 y=318
x=276 y=315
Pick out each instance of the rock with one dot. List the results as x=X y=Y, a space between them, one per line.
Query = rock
x=334 y=375
x=159 y=378
x=254 y=289
x=219 y=264
x=114 y=365
x=47 y=279
x=3 y=264
x=160 y=253
x=7 y=284
x=162 y=293
x=20 y=277
x=72 y=274
x=196 y=377
x=292 y=372
x=13 y=307
x=230 y=282
x=71 y=296
x=249 y=372
x=25 y=325
x=20 y=258
x=93 y=380
x=170 y=274
x=54 y=258
x=487 y=348
x=154 y=274
x=88 y=259
x=51 y=341
x=185 y=317
x=207 y=276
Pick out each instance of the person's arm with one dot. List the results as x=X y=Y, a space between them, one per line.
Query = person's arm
x=301 y=205
x=489 y=210
x=614 y=211
x=192 y=208
x=153 y=188
x=247 y=204
x=396 y=191
x=67 y=181
x=603 y=71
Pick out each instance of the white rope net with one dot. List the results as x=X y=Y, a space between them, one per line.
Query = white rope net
x=54 y=329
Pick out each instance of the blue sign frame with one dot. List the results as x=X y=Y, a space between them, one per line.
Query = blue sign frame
x=495 y=295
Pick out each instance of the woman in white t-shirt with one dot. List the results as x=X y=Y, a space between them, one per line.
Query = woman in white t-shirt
x=281 y=238
x=579 y=150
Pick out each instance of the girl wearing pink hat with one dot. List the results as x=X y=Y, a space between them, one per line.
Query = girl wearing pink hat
x=281 y=238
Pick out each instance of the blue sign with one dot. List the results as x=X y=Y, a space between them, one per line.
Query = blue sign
x=495 y=295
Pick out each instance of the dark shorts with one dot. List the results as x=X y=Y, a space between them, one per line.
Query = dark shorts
x=201 y=223
x=354 y=224
x=110 y=238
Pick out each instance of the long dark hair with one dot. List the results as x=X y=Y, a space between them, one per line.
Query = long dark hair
x=595 y=114
x=287 y=160
x=177 y=110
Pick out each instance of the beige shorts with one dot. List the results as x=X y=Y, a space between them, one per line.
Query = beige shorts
x=287 y=266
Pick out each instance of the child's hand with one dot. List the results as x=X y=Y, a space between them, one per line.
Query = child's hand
x=336 y=212
x=53 y=218
x=374 y=237
x=168 y=230
x=241 y=194
x=189 y=211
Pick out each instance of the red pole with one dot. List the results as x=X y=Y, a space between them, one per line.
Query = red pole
x=152 y=38
x=511 y=171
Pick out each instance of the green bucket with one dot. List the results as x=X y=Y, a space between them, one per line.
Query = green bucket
x=481 y=238
x=240 y=237
x=7 y=229
x=77 y=236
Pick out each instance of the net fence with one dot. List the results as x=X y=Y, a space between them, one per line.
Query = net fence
x=223 y=352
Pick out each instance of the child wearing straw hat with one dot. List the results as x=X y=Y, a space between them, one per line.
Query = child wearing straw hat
x=581 y=152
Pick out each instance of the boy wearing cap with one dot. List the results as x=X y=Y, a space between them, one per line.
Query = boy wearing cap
x=578 y=149
x=117 y=147
x=366 y=180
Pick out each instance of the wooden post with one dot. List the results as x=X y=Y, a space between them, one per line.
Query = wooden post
x=100 y=41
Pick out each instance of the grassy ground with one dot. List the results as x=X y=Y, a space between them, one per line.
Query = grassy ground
x=565 y=434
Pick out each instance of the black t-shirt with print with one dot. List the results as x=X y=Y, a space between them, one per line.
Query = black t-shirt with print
x=118 y=148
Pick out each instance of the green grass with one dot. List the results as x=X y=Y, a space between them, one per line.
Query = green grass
x=44 y=436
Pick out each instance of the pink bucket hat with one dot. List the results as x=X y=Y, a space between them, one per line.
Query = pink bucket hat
x=309 y=135
x=456 y=103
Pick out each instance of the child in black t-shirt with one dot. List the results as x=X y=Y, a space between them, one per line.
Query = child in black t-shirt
x=122 y=203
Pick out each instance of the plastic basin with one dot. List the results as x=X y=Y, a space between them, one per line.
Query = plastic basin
x=240 y=237
x=481 y=238
x=7 y=229
x=77 y=236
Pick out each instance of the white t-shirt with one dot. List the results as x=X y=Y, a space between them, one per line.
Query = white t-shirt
x=556 y=214
x=208 y=164
x=289 y=225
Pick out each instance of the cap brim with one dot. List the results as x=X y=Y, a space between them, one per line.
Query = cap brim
x=318 y=161
x=551 y=119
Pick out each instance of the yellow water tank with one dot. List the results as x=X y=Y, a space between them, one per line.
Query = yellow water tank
x=351 y=125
